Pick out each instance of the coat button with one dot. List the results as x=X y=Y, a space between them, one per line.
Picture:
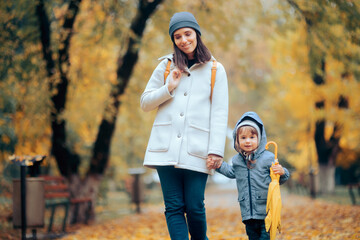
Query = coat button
x=179 y=135
x=182 y=114
x=185 y=93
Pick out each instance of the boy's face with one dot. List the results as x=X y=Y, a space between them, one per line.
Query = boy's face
x=247 y=140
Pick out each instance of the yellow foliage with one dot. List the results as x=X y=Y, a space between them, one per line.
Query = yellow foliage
x=267 y=66
x=295 y=94
x=305 y=156
x=5 y=139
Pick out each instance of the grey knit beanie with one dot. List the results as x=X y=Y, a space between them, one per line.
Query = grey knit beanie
x=181 y=20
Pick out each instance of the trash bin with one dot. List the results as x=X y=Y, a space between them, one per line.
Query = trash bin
x=137 y=191
x=35 y=202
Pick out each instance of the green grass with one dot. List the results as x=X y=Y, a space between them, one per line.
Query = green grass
x=340 y=196
x=118 y=203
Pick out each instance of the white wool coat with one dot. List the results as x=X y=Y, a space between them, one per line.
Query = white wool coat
x=188 y=125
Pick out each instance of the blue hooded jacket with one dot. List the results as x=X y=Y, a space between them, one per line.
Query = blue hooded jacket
x=252 y=184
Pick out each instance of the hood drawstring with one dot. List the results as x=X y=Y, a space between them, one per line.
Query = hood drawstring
x=248 y=157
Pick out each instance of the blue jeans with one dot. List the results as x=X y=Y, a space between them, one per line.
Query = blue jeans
x=183 y=192
x=255 y=229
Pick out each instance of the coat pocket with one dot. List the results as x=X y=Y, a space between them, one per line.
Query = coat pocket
x=160 y=137
x=243 y=205
x=198 y=141
x=260 y=204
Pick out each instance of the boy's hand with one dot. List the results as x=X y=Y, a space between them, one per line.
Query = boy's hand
x=278 y=169
x=213 y=161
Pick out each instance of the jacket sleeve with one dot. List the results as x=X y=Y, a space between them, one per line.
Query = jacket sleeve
x=226 y=170
x=219 y=113
x=284 y=177
x=156 y=92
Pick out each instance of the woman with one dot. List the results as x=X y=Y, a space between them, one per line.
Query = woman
x=190 y=126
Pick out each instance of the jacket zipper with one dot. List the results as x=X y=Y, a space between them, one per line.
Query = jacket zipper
x=251 y=210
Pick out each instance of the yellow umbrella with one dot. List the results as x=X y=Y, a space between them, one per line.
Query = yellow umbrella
x=273 y=205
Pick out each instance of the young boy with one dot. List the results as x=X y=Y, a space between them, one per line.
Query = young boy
x=251 y=168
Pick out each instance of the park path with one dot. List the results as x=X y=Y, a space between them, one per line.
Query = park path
x=302 y=218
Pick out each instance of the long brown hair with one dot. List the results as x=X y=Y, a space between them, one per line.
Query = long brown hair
x=202 y=54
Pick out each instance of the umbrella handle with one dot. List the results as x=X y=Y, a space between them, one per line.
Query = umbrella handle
x=274 y=143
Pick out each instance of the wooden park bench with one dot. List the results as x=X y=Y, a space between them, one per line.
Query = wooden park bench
x=57 y=194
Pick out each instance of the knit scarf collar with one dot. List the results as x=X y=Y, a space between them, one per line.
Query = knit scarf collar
x=249 y=158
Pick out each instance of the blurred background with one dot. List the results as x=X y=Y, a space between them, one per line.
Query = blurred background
x=72 y=73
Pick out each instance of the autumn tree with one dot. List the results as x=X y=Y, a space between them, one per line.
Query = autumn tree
x=67 y=160
x=332 y=35
x=316 y=83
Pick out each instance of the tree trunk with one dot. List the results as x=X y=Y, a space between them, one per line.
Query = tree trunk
x=67 y=161
x=83 y=188
x=325 y=180
x=126 y=64
x=327 y=149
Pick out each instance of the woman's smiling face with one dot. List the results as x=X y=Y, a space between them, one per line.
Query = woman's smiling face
x=185 y=40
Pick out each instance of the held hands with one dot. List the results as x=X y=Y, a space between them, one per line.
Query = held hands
x=213 y=161
x=174 y=79
x=278 y=169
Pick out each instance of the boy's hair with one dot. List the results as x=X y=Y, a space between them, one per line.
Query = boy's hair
x=202 y=54
x=252 y=123
x=247 y=128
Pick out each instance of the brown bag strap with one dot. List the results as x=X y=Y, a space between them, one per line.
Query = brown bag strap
x=213 y=74
x=167 y=70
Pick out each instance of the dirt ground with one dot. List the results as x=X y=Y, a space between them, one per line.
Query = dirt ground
x=302 y=218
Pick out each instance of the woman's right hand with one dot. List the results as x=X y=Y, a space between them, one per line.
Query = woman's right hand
x=174 y=80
